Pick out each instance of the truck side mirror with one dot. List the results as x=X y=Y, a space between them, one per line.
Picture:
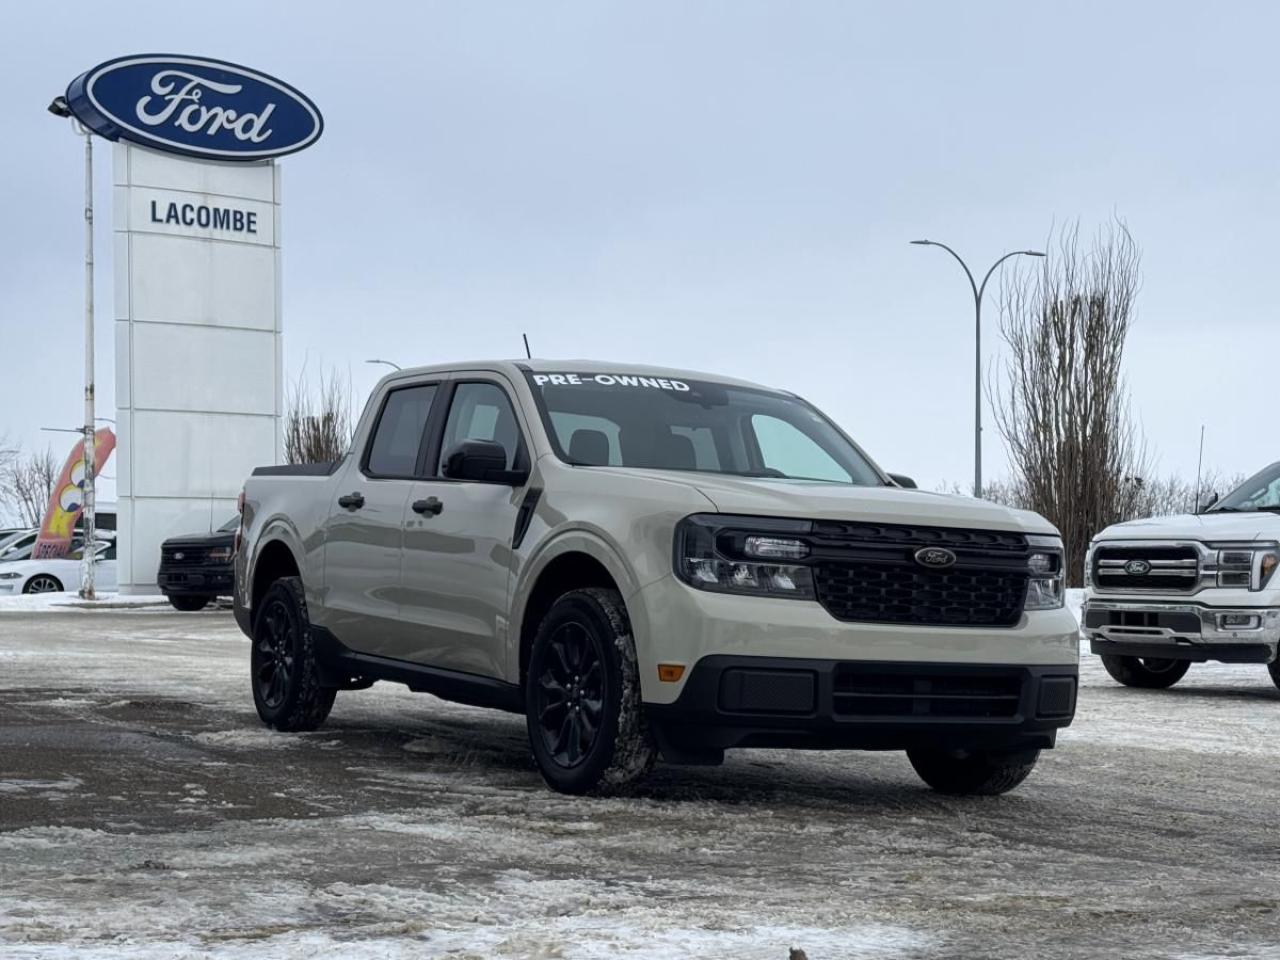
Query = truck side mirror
x=484 y=460
x=903 y=481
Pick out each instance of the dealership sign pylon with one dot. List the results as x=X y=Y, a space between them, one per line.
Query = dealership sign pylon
x=196 y=213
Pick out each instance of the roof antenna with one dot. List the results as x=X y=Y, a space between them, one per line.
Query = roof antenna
x=1195 y=506
x=527 y=354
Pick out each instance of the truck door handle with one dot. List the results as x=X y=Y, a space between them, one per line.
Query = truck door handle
x=431 y=505
x=351 y=501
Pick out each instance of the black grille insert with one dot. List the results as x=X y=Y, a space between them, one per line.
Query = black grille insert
x=182 y=556
x=865 y=692
x=868 y=572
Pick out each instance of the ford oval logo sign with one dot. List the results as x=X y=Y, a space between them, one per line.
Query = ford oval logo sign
x=938 y=558
x=194 y=106
x=1137 y=568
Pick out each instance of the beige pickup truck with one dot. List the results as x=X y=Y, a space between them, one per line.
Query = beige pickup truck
x=651 y=563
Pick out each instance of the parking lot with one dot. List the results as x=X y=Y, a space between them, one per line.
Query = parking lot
x=145 y=813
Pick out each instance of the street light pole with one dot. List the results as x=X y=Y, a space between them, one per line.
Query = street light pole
x=387 y=362
x=978 y=291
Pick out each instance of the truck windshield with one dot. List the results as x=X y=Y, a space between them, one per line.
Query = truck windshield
x=1261 y=492
x=626 y=420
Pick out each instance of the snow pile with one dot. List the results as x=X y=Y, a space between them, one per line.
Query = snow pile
x=71 y=601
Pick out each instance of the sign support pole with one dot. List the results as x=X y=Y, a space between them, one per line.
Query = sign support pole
x=90 y=493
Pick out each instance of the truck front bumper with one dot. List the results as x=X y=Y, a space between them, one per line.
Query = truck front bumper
x=212 y=581
x=1181 y=631
x=744 y=701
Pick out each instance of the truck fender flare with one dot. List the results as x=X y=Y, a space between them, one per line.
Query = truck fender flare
x=278 y=530
x=577 y=540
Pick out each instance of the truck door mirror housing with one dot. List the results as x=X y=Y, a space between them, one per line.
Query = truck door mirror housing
x=903 y=480
x=483 y=460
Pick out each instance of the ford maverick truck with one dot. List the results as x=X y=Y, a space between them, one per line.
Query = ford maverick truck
x=1164 y=593
x=651 y=563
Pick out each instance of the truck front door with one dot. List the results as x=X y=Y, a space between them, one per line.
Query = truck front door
x=457 y=541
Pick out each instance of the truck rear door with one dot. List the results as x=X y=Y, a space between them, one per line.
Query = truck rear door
x=364 y=535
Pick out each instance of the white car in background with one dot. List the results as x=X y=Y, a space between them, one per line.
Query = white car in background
x=62 y=574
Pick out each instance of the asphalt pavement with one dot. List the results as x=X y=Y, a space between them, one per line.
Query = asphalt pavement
x=146 y=813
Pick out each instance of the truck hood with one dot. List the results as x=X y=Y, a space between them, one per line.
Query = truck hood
x=1203 y=526
x=811 y=500
x=215 y=539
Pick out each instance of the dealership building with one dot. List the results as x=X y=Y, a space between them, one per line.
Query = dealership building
x=196 y=246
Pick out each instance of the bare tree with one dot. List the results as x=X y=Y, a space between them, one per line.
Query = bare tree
x=26 y=484
x=1148 y=497
x=1062 y=408
x=317 y=426
x=1164 y=496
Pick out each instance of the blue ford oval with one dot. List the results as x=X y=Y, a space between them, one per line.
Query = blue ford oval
x=194 y=106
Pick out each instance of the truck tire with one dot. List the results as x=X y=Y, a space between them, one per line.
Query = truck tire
x=1273 y=668
x=979 y=773
x=1148 y=673
x=188 y=603
x=582 y=697
x=284 y=673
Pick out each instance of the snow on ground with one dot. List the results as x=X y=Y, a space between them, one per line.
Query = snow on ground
x=63 y=601
x=145 y=814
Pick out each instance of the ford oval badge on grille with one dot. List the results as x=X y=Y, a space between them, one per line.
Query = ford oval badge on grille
x=1137 y=568
x=179 y=555
x=935 y=557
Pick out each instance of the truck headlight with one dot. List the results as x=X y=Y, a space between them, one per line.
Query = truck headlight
x=220 y=554
x=1045 y=587
x=1246 y=566
x=724 y=553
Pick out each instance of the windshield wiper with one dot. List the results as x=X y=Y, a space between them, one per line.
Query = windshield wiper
x=1268 y=509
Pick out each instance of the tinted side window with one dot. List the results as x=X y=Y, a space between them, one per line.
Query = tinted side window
x=398 y=435
x=481 y=411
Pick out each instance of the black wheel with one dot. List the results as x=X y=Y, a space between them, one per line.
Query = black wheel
x=1150 y=673
x=43 y=583
x=582 y=697
x=976 y=773
x=1273 y=668
x=284 y=672
x=189 y=604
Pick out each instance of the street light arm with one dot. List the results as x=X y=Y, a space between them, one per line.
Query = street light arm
x=1012 y=253
x=960 y=260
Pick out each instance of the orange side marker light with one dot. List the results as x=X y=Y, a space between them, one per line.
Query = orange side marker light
x=670 y=672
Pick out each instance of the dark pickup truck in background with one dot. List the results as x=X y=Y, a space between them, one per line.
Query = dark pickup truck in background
x=197 y=569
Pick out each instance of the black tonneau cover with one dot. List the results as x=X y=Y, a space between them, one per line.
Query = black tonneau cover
x=298 y=469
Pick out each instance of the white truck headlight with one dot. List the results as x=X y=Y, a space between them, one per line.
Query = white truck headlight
x=1045 y=587
x=713 y=553
x=1246 y=566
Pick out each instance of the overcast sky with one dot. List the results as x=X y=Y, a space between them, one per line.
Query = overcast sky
x=723 y=186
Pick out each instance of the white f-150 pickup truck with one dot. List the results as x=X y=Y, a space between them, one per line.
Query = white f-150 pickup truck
x=1164 y=593
x=647 y=562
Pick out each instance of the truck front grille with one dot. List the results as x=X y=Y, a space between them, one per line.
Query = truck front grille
x=182 y=556
x=1171 y=569
x=868 y=572
x=866 y=692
